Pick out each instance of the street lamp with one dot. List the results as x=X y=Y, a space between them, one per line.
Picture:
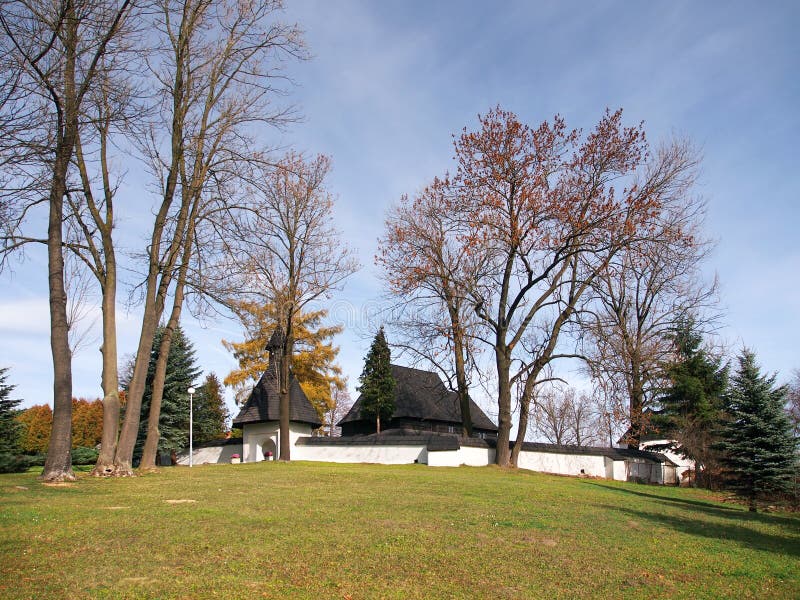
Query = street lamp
x=191 y=395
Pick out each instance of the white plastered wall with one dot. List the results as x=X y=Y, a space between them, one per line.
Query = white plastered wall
x=210 y=455
x=256 y=435
x=466 y=455
x=563 y=464
x=385 y=455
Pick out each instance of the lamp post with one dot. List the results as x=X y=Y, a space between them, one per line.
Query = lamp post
x=191 y=395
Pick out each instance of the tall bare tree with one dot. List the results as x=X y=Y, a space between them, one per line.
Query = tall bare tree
x=290 y=253
x=112 y=114
x=59 y=46
x=548 y=209
x=428 y=271
x=646 y=289
x=218 y=70
x=565 y=417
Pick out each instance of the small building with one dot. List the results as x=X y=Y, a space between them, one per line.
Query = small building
x=422 y=404
x=620 y=464
x=259 y=417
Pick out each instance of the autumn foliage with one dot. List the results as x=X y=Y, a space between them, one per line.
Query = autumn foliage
x=37 y=421
x=313 y=362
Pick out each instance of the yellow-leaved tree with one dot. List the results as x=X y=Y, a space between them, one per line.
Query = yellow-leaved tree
x=314 y=357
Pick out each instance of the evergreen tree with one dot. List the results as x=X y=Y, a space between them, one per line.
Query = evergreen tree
x=757 y=443
x=182 y=371
x=210 y=412
x=692 y=405
x=377 y=382
x=9 y=426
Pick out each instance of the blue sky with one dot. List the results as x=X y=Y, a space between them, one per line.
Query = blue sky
x=390 y=82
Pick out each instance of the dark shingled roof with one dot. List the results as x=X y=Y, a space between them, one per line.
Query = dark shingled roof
x=398 y=437
x=422 y=395
x=264 y=400
x=612 y=453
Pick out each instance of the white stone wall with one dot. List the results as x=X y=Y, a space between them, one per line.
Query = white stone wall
x=563 y=464
x=255 y=436
x=211 y=455
x=466 y=455
x=619 y=470
x=385 y=455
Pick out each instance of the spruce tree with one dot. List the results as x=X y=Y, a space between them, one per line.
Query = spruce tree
x=692 y=404
x=210 y=412
x=173 y=423
x=9 y=426
x=757 y=443
x=377 y=382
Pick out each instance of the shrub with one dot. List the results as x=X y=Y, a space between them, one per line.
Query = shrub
x=84 y=456
x=12 y=463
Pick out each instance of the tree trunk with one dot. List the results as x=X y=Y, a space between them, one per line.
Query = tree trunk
x=153 y=434
x=378 y=423
x=636 y=408
x=123 y=461
x=461 y=374
x=524 y=413
x=503 y=453
x=58 y=464
x=111 y=404
x=285 y=390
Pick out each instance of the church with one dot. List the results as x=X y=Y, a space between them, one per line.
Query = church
x=425 y=428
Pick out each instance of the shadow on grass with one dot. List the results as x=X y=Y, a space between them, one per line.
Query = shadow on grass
x=708 y=508
x=698 y=518
x=740 y=534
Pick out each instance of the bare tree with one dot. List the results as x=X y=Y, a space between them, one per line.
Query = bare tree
x=342 y=403
x=552 y=418
x=58 y=46
x=794 y=402
x=546 y=211
x=426 y=269
x=290 y=253
x=565 y=417
x=112 y=114
x=646 y=289
x=582 y=418
x=217 y=68
x=80 y=305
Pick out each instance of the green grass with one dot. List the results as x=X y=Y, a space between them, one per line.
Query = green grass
x=311 y=530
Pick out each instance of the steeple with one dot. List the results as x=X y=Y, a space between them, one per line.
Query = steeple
x=275 y=346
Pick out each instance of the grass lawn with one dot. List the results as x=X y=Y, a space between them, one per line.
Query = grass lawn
x=312 y=530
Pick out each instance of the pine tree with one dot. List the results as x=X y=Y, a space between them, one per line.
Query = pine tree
x=9 y=426
x=692 y=405
x=377 y=383
x=210 y=412
x=758 y=446
x=173 y=423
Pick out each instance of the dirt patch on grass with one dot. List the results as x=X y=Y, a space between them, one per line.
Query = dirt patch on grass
x=138 y=580
x=59 y=484
x=116 y=507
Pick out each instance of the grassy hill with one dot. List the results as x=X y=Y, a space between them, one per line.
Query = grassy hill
x=310 y=530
